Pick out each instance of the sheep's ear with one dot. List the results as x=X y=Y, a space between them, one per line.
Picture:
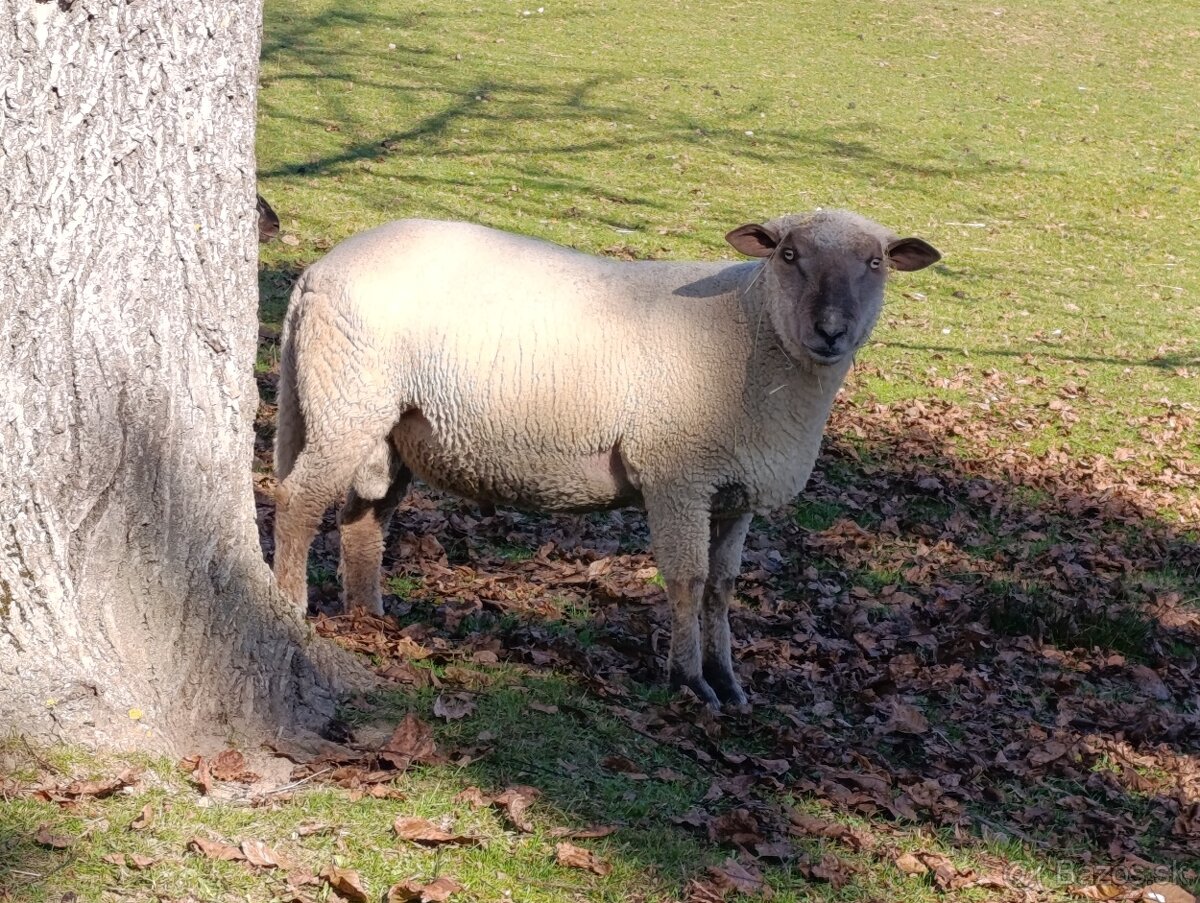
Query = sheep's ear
x=753 y=240
x=912 y=254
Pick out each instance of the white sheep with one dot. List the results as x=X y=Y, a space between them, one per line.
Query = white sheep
x=515 y=371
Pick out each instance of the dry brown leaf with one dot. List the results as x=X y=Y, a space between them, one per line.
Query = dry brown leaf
x=258 y=854
x=346 y=883
x=453 y=706
x=411 y=743
x=144 y=819
x=54 y=841
x=699 y=891
x=1048 y=752
x=737 y=827
x=473 y=797
x=578 y=858
x=1099 y=892
x=212 y=849
x=230 y=765
x=140 y=863
x=423 y=831
x=198 y=767
x=1165 y=893
x=114 y=859
x=906 y=719
x=624 y=765
x=514 y=801
x=732 y=875
x=832 y=869
x=910 y=864
x=436 y=891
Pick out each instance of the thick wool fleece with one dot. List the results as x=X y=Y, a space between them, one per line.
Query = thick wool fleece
x=515 y=371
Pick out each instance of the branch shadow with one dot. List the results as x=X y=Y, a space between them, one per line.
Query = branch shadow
x=1158 y=362
x=566 y=112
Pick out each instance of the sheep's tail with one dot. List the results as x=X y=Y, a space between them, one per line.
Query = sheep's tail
x=289 y=426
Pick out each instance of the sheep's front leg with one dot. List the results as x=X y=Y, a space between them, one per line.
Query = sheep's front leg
x=363 y=525
x=728 y=535
x=679 y=537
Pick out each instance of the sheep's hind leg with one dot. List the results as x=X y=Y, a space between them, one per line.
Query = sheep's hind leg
x=363 y=525
x=679 y=536
x=728 y=535
x=312 y=485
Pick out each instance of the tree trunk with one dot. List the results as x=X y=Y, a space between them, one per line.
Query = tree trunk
x=135 y=608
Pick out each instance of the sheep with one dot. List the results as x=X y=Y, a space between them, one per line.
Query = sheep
x=511 y=370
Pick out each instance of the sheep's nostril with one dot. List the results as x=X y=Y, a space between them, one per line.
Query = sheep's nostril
x=830 y=333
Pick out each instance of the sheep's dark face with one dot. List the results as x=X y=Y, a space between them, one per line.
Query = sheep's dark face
x=825 y=278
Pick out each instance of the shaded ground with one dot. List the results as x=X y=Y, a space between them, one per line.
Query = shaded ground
x=945 y=630
x=973 y=666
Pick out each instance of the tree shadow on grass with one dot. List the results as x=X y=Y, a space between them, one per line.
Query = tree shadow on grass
x=1158 y=362
x=998 y=649
x=403 y=102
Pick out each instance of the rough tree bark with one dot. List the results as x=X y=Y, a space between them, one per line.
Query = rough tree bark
x=135 y=608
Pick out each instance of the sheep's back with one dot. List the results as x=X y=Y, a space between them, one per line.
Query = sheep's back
x=527 y=369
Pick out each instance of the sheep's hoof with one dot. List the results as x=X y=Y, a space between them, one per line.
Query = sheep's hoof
x=697 y=685
x=727 y=688
x=371 y=607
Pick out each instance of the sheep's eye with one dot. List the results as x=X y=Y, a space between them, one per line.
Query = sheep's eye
x=876 y=263
x=788 y=255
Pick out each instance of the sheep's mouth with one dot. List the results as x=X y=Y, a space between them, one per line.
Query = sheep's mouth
x=824 y=357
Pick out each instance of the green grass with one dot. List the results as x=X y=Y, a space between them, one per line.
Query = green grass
x=557 y=748
x=1027 y=610
x=403 y=587
x=511 y=551
x=815 y=514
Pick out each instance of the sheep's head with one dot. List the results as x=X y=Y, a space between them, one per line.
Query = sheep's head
x=824 y=276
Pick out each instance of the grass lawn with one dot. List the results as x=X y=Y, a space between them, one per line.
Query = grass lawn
x=972 y=644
